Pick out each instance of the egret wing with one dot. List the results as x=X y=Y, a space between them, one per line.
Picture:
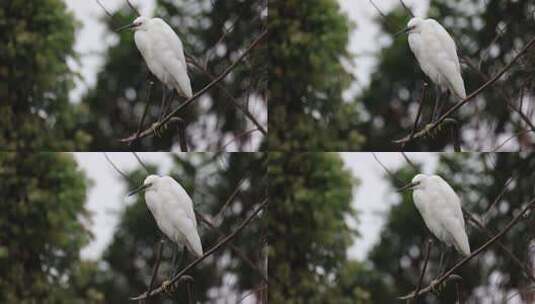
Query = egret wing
x=447 y=60
x=452 y=216
x=171 y=56
x=178 y=208
x=170 y=40
x=179 y=72
x=179 y=199
x=448 y=46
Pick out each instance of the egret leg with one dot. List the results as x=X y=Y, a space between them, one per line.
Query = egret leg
x=168 y=104
x=167 y=286
x=183 y=257
x=442 y=104
x=436 y=110
x=164 y=100
x=444 y=260
x=173 y=259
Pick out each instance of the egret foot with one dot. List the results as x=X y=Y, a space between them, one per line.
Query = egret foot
x=155 y=129
x=437 y=289
x=168 y=287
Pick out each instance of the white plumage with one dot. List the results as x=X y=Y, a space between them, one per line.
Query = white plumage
x=440 y=208
x=172 y=209
x=436 y=53
x=163 y=52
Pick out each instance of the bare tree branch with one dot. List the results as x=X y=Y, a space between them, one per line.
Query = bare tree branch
x=133 y=8
x=104 y=8
x=141 y=162
x=420 y=103
x=156 y=265
x=240 y=107
x=207 y=253
x=219 y=78
x=430 y=127
x=406 y=8
x=117 y=169
x=465 y=260
x=426 y=260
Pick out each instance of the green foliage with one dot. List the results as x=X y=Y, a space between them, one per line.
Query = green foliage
x=307 y=44
x=37 y=38
x=115 y=105
x=478 y=179
x=209 y=179
x=311 y=195
x=43 y=198
x=489 y=35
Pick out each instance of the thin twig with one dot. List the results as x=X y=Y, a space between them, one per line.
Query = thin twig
x=421 y=278
x=455 y=134
x=489 y=234
x=420 y=104
x=141 y=162
x=235 y=249
x=133 y=7
x=406 y=8
x=207 y=253
x=386 y=169
x=156 y=266
x=409 y=161
x=145 y=111
x=491 y=241
x=219 y=78
x=117 y=169
x=230 y=198
x=243 y=134
x=387 y=22
x=104 y=8
x=182 y=139
x=510 y=138
x=225 y=91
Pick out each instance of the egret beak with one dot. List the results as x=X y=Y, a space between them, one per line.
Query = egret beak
x=409 y=186
x=128 y=26
x=139 y=189
x=404 y=31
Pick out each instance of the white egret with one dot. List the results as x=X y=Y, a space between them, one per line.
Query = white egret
x=172 y=208
x=436 y=53
x=440 y=207
x=162 y=50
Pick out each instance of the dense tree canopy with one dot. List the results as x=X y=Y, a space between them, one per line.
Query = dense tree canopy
x=37 y=38
x=43 y=198
x=311 y=196
x=307 y=45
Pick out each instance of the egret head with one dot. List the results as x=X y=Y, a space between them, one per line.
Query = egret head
x=415 y=183
x=140 y=23
x=150 y=182
x=414 y=26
